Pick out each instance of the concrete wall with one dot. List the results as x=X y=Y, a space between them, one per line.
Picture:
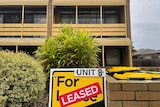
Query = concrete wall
x=121 y=93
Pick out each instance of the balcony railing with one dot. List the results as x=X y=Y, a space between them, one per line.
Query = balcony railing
x=10 y=29
x=106 y=30
x=34 y=30
x=22 y=34
x=114 y=30
x=115 y=33
x=20 y=30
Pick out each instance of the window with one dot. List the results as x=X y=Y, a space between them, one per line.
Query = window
x=10 y=48
x=28 y=49
x=32 y=37
x=36 y=14
x=65 y=14
x=39 y=18
x=113 y=14
x=112 y=56
x=1 y=18
x=113 y=36
x=12 y=14
x=88 y=15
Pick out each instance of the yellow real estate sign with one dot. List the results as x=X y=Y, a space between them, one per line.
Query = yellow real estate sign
x=79 y=87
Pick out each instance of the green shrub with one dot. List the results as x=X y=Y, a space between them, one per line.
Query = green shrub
x=71 y=48
x=22 y=80
x=2 y=101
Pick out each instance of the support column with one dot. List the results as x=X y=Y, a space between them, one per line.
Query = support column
x=22 y=21
x=129 y=29
x=76 y=16
x=130 y=56
x=49 y=19
x=16 y=48
x=103 y=58
x=128 y=19
x=101 y=19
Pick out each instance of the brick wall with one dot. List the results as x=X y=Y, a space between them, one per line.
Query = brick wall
x=121 y=93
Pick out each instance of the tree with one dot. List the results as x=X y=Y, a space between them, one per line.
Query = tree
x=133 y=48
x=71 y=48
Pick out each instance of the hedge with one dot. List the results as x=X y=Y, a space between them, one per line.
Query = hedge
x=22 y=80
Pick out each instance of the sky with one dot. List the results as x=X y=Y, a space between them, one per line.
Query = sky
x=145 y=24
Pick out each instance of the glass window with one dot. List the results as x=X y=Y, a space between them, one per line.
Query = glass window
x=36 y=14
x=113 y=36
x=1 y=18
x=10 y=48
x=39 y=18
x=112 y=56
x=113 y=14
x=28 y=49
x=65 y=14
x=12 y=14
x=88 y=15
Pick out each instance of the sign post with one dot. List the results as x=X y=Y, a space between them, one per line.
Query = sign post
x=78 y=87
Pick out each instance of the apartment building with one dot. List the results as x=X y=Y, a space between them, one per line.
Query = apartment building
x=25 y=24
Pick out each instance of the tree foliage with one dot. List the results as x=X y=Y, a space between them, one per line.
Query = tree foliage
x=133 y=48
x=22 y=80
x=71 y=48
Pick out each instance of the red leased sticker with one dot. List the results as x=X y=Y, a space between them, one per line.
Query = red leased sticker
x=80 y=94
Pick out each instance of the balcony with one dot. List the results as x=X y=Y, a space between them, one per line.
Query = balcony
x=34 y=30
x=21 y=30
x=114 y=30
x=113 y=42
x=10 y=30
x=108 y=23
x=104 y=30
x=22 y=34
x=91 y=2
